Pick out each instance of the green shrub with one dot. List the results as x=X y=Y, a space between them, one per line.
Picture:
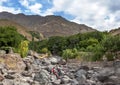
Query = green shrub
x=85 y=56
x=23 y=48
x=70 y=53
x=110 y=56
x=44 y=50
x=67 y=53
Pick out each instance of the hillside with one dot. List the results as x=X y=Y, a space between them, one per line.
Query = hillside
x=48 y=25
x=115 y=31
x=22 y=30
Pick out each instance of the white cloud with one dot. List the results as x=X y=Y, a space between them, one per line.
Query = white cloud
x=33 y=8
x=47 y=12
x=25 y=3
x=8 y=9
x=91 y=13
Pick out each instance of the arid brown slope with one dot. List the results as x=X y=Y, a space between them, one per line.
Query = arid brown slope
x=48 y=26
x=115 y=31
x=20 y=29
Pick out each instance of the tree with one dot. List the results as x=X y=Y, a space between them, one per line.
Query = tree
x=9 y=37
x=57 y=44
x=111 y=43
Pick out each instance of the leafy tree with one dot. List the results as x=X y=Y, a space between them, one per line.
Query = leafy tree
x=111 y=43
x=9 y=37
x=57 y=44
x=72 y=41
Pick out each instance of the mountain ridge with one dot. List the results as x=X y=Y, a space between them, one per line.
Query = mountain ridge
x=49 y=25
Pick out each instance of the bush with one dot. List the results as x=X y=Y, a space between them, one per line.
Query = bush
x=67 y=53
x=85 y=56
x=109 y=56
x=9 y=37
x=44 y=50
x=23 y=48
x=70 y=53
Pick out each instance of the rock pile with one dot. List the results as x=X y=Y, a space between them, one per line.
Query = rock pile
x=54 y=71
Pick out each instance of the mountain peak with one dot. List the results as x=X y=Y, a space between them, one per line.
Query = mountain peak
x=49 y=25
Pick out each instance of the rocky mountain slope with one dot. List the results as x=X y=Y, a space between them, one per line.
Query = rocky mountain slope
x=48 y=25
x=115 y=31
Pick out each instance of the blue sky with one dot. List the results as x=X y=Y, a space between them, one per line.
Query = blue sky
x=99 y=14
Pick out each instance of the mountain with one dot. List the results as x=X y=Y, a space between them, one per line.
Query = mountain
x=22 y=30
x=115 y=31
x=49 y=25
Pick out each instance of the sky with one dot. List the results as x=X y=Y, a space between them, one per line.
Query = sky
x=102 y=15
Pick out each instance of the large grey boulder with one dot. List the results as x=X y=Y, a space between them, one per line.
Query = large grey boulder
x=80 y=75
x=105 y=73
x=43 y=77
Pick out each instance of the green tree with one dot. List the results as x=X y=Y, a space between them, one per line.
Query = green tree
x=57 y=44
x=9 y=37
x=111 y=43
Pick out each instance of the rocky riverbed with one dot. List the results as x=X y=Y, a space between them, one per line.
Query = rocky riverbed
x=33 y=70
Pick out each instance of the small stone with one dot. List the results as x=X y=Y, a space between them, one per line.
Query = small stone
x=9 y=77
x=1 y=78
x=57 y=82
x=26 y=74
x=65 y=80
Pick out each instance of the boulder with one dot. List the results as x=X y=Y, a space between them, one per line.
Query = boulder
x=80 y=76
x=33 y=53
x=8 y=82
x=116 y=64
x=54 y=59
x=43 y=77
x=13 y=62
x=1 y=78
x=56 y=82
x=80 y=73
x=9 y=76
x=117 y=72
x=65 y=80
x=62 y=62
x=104 y=74
x=2 y=52
x=45 y=61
